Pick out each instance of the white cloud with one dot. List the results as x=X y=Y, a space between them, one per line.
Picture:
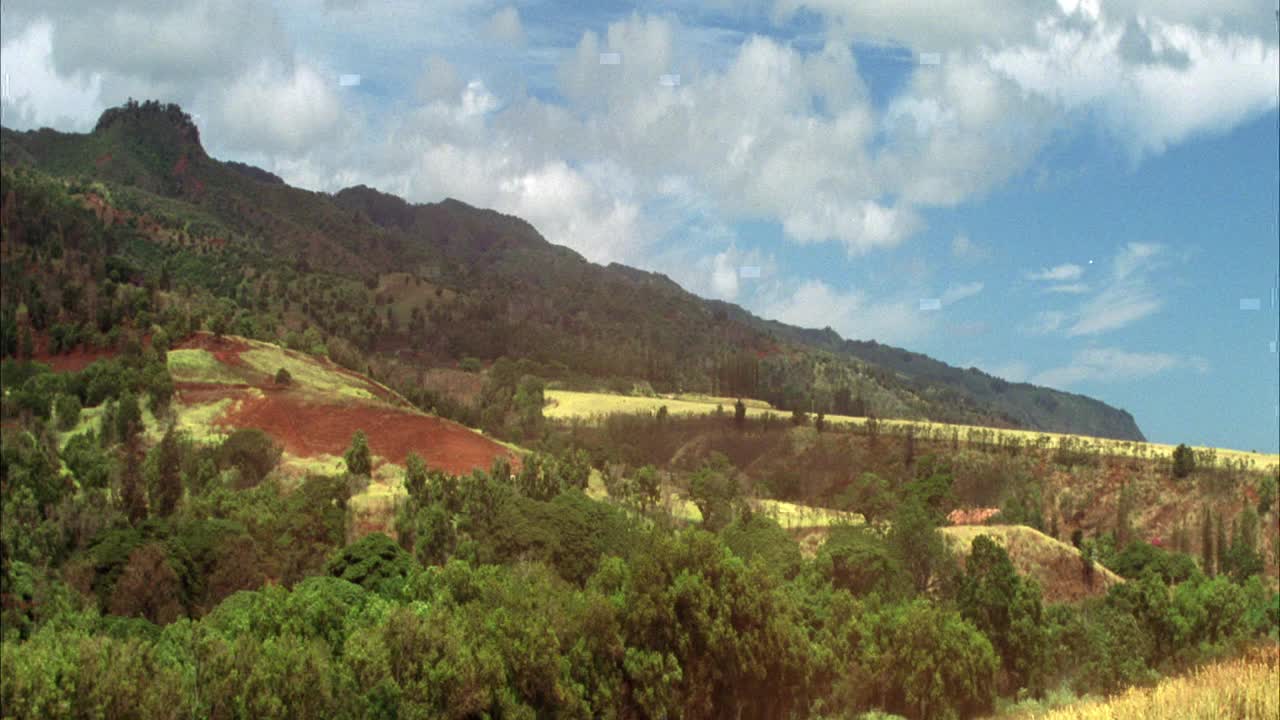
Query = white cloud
x=1127 y=298
x=1187 y=80
x=287 y=110
x=505 y=26
x=35 y=94
x=1059 y=273
x=956 y=293
x=1069 y=288
x=814 y=304
x=173 y=46
x=1115 y=365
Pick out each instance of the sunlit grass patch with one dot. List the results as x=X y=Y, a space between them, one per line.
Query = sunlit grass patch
x=198 y=365
x=308 y=374
x=200 y=420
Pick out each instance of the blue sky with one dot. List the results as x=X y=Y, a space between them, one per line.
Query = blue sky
x=1083 y=192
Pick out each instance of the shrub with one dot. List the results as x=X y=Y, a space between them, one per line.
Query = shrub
x=67 y=411
x=1184 y=461
x=283 y=377
x=252 y=452
x=359 y=459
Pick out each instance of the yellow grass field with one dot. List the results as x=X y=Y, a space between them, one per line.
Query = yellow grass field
x=1246 y=688
x=570 y=404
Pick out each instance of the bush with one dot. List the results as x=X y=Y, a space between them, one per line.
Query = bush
x=934 y=664
x=1184 y=461
x=283 y=377
x=252 y=452
x=67 y=411
x=358 y=458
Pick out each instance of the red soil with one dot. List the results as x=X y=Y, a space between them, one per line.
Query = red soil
x=73 y=361
x=307 y=429
x=78 y=358
x=971 y=516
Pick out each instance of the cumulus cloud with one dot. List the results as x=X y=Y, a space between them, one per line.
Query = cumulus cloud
x=505 y=26
x=853 y=314
x=288 y=110
x=1152 y=82
x=170 y=45
x=1114 y=365
x=35 y=95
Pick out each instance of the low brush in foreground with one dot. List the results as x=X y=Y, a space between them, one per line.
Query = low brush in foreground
x=1247 y=688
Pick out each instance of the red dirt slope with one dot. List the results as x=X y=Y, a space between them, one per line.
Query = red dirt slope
x=306 y=429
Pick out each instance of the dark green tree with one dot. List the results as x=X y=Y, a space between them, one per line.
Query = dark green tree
x=1184 y=461
x=167 y=489
x=1007 y=609
x=358 y=458
x=1207 y=556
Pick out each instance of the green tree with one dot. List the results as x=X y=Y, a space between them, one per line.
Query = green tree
x=714 y=489
x=128 y=418
x=374 y=562
x=436 y=537
x=166 y=492
x=917 y=546
x=740 y=414
x=67 y=411
x=133 y=499
x=1206 y=542
x=415 y=479
x=1184 y=461
x=1007 y=609
x=358 y=458
x=645 y=487
x=933 y=664
x=251 y=452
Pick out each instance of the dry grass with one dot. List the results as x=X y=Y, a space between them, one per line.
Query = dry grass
x=1246 y=688
x=567 y=404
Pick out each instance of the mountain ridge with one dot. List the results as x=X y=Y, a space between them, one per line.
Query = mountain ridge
x=517 y=294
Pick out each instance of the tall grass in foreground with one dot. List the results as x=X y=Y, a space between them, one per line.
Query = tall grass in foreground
x=1245 y=688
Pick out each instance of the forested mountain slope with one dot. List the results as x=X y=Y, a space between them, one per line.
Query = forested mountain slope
x=408 y=287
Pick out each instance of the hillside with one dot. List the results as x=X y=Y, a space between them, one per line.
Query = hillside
x=230 y=382
x=476 y=283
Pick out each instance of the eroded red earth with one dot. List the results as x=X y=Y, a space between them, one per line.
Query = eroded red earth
x=308 y=428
